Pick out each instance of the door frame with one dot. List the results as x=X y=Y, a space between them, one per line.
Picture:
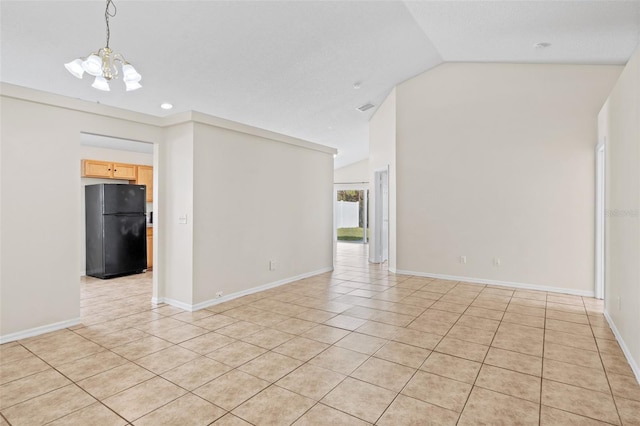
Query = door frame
x=600 y=215
x=377 y=255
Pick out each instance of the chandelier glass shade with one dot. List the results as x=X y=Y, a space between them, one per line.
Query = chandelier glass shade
x=104 y=63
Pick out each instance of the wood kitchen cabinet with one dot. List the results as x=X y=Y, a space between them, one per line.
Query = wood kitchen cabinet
x=149 y=248
x=104 y=169
x=145 y=177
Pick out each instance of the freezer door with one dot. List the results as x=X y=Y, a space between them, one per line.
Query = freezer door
x=125 y=244
x=123 y=198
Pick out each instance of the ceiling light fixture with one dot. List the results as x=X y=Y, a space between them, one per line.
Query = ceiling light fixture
x=166 y=105
x=102 y=64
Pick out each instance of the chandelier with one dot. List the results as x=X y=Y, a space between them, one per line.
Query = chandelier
x=102 y=64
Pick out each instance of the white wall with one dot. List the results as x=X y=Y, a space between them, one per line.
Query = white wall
x=497 y=160
x=282 y=198
x=353 y=173
x=382 y=154
x=104 y=154
x=620 y=125
x=40 y=199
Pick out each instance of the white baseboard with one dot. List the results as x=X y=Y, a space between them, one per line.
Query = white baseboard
x=228 y=297
x=623 y=346
x=11 y=337
x=524 y=286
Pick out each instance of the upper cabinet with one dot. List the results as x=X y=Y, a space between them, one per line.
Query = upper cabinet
x=145 y=177
x=134 y=173
x=104 y=169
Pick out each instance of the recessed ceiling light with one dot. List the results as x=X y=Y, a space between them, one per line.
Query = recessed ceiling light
x=166 y=105
x=541 y=45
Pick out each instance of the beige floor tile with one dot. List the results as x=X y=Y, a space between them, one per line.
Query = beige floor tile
x=31 y=386
x=491 y=408
x=573 y=340
x=588 y=403
x=295 y=326
x=474 y=335
x=21 y=368
x=143 y=398
x=519 y=338
x=301 y=348
x=443 y=305
x=383 y=373
x=270 y=366
x=94 y=414
x=553 y=417
x=207 y=343
x=360 y=399
x=452 y=367
x=476 y=322
x=117 y=379
x=526 y=310
x=509 y=382
x=155 y=326
x=192 y=317
x=273 y=406
x=462 y=349
x=515 y=361
x=196 y=373
x=616 y=364
x=12 y=353
x=230 y=420
x=181 y=333
x=528 y=320
x=361 y=343
x=168 y=310
x=609 y=346
x=343 y=361
x=321 y=414
x=378 y=329
x=141 y=348
x=325 y=334
x=571 y=355
x=413 y=412
x=311 y=381
x=236 y=354
x=628 y=410
x=166 y=359
x=489 y=304
x=533 y=303
x=188 y=410
x=231 y=389
x=239 y=329
x=91 y=365
x=589 y=378
x=567 y=316
x=214 y=322
x=120 y=337
x=417 y=338
x=48 y=407
x=345 y=322
x=603 y=333
x=484 y=313
x=438 y=390
x=624 y=386
x=401 y=353
x=268 y=338
x=569 y=327
x=315 y=315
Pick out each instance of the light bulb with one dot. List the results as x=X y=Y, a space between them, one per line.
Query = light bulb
x=75 y=67
x=93 y=65
x=101 y=84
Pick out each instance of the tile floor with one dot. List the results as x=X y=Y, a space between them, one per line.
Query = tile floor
x=354 y=347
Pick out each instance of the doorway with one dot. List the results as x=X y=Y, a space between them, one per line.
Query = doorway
x=352 y=215
x=600 y=220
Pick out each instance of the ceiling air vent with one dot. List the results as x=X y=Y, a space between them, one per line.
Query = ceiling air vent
x=365 y=107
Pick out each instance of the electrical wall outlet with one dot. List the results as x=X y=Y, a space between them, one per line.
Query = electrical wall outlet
x=219 y=294
x=496 y=262
x=463 y=259
x=272 y=265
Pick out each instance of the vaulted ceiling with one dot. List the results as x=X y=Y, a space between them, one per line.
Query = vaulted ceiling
x=291 y=66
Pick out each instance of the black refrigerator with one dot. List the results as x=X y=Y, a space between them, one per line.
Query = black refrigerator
x=116 y=235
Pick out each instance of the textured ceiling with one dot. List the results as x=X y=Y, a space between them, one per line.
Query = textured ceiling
x=290 y=66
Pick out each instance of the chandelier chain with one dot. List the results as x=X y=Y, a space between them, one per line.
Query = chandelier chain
x=107 y=14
